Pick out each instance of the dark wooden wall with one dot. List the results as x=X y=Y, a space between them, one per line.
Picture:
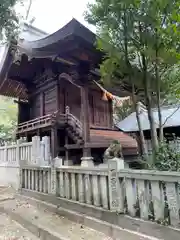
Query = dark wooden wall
x=56 y=95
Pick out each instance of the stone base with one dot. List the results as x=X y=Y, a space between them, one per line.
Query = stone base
x=126 y=165
x=119 y=162
x=58 y=162
x=68 y=163
x=87 y=162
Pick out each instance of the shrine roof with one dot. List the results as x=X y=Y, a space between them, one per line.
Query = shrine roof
x=70 y=37
x=68 y=45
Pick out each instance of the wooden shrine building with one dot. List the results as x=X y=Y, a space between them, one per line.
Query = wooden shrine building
x=54 y=81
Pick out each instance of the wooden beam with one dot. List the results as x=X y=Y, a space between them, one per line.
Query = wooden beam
x=73 y=146
x=87 y=145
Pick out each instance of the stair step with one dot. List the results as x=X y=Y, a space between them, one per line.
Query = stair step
x=10 y=229
x=46 y=224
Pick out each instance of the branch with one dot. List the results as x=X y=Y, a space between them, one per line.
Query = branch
x=170 y=115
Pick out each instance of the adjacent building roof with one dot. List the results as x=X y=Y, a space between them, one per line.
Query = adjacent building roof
x=170 y=118
x=129 y=144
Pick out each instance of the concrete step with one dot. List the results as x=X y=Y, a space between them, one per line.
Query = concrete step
x=42 y=220
x=47 y=225
x=10 y=229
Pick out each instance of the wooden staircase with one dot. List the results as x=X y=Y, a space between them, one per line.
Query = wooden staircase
x=74 y=128
x=69 y=121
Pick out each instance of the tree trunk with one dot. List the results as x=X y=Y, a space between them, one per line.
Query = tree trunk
x=141 y=143
x=128 y=66
x=154 y=138
x=158 y=91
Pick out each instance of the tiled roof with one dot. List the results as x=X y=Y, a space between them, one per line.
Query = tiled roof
x=170 y=118
x=129 y=144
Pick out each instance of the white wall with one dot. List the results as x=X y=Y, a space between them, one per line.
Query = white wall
x=9 y=175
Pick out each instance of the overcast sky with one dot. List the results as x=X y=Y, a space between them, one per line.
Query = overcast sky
x=53 y=14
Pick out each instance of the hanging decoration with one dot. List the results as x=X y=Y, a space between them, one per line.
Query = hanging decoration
x=109 y=96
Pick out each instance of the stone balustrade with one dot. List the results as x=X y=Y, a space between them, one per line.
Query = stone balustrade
x=36 y=152
x=88 y=186
x=36 y=179
x=152 y=195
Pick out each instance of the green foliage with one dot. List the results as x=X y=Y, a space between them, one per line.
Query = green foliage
x=141 y=42
x=123 y=111
x=134 y=29
x=8 y=118
x=8 y=19
x=167 y=158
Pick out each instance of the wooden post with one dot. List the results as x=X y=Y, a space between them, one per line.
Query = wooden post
x=42 y=104
x=19 y=112
x=54 y=141
x=86 y=159
x=57 y=97
x=85 y=120
x=66 y=151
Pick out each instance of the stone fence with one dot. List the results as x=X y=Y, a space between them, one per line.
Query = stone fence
x=150 y=195
x=36 y=152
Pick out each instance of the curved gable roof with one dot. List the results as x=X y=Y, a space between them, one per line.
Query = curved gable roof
x=73 y=29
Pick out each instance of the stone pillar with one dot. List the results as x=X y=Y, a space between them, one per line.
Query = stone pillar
x=18 y=160
x=87 y=162
x=116 y=198
x=126 y=165
x=20 y=165
x=47 y=150
x=58 y=162
x=36 y=150
x=53 y=178
x=68 y=162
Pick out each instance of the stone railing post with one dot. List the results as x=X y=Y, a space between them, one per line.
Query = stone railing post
x=53 y=178
x=116 y=199
x=57 y=162
x=18 y=153
x=47 y=151
x=36 y=150
x=19 y=163
x=5 y=153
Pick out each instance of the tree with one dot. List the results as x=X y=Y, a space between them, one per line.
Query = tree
x=8 y=19
x=138 y=46
x=8 y=118
x=124 y=110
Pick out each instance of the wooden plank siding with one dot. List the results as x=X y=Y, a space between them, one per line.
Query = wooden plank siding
x=35 y=106
x=63 y=93
x=100 y=110
x=50 y=101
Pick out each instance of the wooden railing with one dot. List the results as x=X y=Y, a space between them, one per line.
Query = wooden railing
x=35 y=123
x=149 y=195
x=50 y=119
